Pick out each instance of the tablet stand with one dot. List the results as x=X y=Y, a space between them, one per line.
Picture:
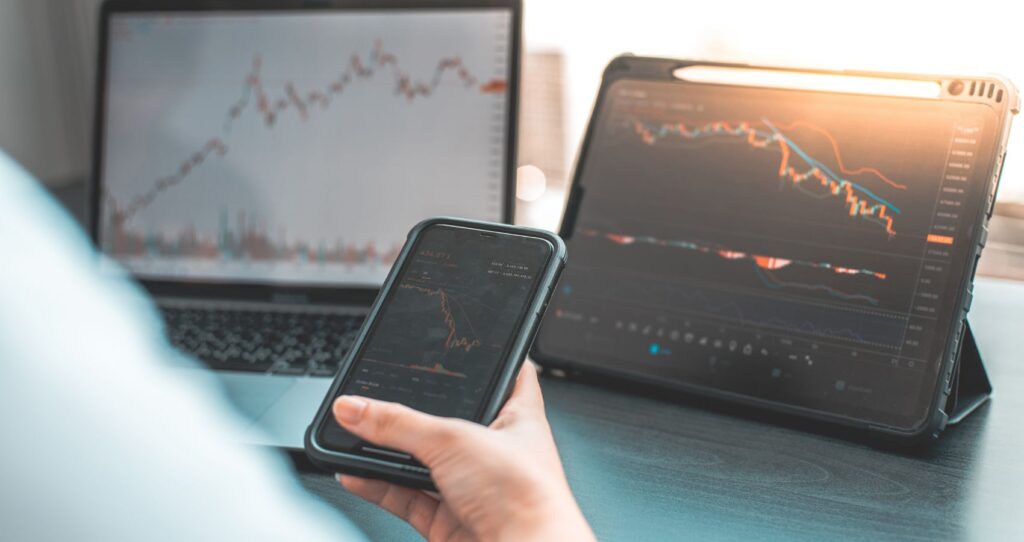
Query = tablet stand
x=971 y=387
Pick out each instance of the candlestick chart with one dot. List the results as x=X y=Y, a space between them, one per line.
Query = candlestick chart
x=772 y=191
x=813 y=177
x=256 y=100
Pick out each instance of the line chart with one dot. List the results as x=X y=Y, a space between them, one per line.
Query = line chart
x=764 y=266
x=772 y=282
x=256 y=98
x=859 y=201
x=453 y=340
x=436 y=368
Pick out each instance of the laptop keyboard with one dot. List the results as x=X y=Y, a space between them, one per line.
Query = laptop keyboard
x=291 y=343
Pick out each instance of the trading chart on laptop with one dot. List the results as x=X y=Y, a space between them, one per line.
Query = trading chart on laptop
x=297 y=147
x=765 y=242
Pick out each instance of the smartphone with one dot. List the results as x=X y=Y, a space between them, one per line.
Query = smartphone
x=446 y=336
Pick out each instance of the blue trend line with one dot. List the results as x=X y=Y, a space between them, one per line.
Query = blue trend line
x=823 y=167
x=771 y=282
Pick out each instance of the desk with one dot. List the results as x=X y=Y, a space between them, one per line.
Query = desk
x=646 y=469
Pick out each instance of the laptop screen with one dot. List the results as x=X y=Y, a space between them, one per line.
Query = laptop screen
x=297 y=147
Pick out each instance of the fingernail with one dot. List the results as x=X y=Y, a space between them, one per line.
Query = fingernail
x=339 y=477
x=349 y=410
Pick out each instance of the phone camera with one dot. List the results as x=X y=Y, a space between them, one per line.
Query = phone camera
x=955 y=88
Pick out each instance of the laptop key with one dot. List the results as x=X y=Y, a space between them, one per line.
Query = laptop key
x=238 y=365
x=324 y=371
x=248 y=340
x=290 y=370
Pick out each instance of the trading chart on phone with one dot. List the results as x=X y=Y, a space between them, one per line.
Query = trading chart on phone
x=448 y=321
x=298 y=147
x=760 y=242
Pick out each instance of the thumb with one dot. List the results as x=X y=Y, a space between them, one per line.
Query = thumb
x=398 y=426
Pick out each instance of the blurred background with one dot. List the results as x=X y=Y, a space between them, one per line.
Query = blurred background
x=48 y=48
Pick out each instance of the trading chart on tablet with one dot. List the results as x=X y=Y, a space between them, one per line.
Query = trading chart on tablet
x=298 y=147
x=757 y=241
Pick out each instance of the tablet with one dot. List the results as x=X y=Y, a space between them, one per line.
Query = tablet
x=800 y=240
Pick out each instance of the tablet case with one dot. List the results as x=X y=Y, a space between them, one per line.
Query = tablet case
x=967 y=385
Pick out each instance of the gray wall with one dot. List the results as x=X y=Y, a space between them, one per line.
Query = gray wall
x=47 y=57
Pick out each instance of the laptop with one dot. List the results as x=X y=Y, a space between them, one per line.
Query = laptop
x=259 y=164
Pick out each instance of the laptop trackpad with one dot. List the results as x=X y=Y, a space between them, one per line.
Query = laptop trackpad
x=254 y=394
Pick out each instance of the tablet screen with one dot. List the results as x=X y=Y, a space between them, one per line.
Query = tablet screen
x=805 y=248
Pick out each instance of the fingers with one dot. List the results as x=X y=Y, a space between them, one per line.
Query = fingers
x=526 y=394
x=415 y=507
x=525 y=403
x=397 y=426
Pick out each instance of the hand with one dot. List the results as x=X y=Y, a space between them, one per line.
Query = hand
x=503 y=482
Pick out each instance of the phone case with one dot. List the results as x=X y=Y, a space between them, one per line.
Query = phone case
x=414 y=476
x=945 y=408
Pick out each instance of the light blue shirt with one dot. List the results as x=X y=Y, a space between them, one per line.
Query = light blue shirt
x=100 y=441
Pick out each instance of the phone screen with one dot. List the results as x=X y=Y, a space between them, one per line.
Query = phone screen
x=446 y=326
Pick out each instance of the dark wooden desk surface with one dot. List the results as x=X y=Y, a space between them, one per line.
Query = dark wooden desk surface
x=647 y=469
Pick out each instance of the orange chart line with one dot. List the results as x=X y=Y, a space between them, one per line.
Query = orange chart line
x=453 y=340
x=437 y=368
x=839 y=157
